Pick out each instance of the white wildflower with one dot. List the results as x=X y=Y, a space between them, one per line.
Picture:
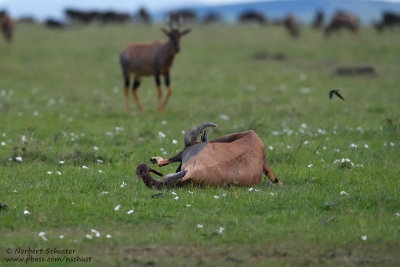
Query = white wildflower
x=224 y=117
x=19 y=158
x=310 y=165
x=190 y=192
x=85 y=167
x=89 y=236
x=353 y=145
x=188 y=205
x=61 y=236
x=251 y=189
x=216 y=197
x=42 y=235
x=58 y=172
x=221 y=230
x=304 y=90
x=104 y=193
x=96 y=233
x=344 y=193
x=364 y=237
x=303 y=77
x=366 y=146
x=3 y=143
x=176 y=198
x=100 y=171
x=130 y=211
x=26 y=212
x=272 y=194
x=164 y=122
x=95 y=148
x=108 y=236
x=117 y=207
x=123 y=185
x=49 y=172
x=173 y=193
x=174 y=142
x=61 y=162
x=199 y=226
x=161 y=135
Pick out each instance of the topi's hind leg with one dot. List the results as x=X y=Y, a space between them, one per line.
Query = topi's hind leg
x=268 y=172
x=169 y=93
x=126 y=91
x=159 y=90
x=135 y=88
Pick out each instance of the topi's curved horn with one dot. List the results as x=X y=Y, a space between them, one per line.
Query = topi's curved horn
x=192 y=135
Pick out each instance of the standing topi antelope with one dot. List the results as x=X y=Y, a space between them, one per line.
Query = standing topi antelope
x=342 y=20
x=234 y=159
x=7 y=26
x=151 y=59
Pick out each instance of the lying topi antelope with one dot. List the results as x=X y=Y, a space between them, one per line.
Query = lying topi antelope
x=151 y=59
x=233 y=159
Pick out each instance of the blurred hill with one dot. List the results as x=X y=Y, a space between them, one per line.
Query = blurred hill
x=368 y=11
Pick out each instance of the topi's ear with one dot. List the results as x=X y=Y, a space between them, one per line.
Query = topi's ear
x=185 y=32
x=166 y=32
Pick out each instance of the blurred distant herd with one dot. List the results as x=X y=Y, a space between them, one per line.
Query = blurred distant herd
x=340 y=20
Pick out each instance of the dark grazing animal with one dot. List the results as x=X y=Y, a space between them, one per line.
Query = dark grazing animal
x=211 y=18
x=252 y=17
x=342 y=20
x=318 y=20
x=143 y=16
x=292 y=25
x=234 y=159
x=79 y=16
x=151 y=59
x=389 y=20
x=104 y=17
x=7 y=26
x=54 y=24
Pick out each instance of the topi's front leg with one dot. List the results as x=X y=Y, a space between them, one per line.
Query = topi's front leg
x=168 y=181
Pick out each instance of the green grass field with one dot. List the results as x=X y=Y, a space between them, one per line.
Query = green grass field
x=61 y=99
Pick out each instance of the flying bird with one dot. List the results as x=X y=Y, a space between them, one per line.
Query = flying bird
x=336 y=92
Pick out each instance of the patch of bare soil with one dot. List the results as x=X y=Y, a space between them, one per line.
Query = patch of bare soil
x=236 y=255
x=355 y=71
x=268 y=56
